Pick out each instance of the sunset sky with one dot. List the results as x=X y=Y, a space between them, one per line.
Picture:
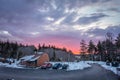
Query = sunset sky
x=62 y=23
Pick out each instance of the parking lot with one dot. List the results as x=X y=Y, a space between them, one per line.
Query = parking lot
x=95 y=72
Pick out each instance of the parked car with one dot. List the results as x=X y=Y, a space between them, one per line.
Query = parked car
x=65 y=66
x=57 y=66
x=115 y=64
x=108 y=63
x=46 y=65
x=2 y=59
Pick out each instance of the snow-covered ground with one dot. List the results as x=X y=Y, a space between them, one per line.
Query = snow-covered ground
x=103 y=64
x=78 y=65
x=12 y=65
x=72 y=65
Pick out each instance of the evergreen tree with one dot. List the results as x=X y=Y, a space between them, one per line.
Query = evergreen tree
x=117 y=41
x=54 y=55
x=39 y=47
x=64 y=49
x=110 y=47
x=117 y=44
x=101 y=50
x=83 y=49
x=91 y=47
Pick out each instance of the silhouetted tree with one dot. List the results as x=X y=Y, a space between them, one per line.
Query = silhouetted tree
x=64 y=49
x=92 y=49
x=39 y=46
x=101 y=50
x=110 y=47
x=117 y=41
x=83 y=49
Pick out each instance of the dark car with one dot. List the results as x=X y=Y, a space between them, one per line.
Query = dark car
x=108 y=63
x=115 y=64
x=46 y=65
x=57 y=66
x=65 y=66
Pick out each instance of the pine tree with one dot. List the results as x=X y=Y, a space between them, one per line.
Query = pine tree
x=83 y=49
x=39 y=46
x=91 y=47
x=101 y=50
x=117 y=44
x=110 y=47
x=117 y=41
x=54 y=55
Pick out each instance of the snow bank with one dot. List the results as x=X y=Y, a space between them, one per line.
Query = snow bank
x=110 y=68
x=12 y=65
x=78 y=65
x=103 y=64
x=113 y=69
x=74 y=65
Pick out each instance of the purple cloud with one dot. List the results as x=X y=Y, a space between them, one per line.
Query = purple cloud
x=35 y=20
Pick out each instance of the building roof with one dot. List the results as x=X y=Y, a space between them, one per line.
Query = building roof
x=32 y=57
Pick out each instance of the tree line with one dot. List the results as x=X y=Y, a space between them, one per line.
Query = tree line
x=54 y=50
x=10 y=49
x=108 y=49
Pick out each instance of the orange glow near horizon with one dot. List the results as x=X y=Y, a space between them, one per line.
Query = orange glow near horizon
x=74 y=47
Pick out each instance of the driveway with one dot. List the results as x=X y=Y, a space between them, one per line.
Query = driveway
x=96 y=72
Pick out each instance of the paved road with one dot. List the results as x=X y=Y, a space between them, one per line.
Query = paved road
x=96 y=72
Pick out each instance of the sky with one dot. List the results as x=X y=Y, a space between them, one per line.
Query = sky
x=63 y=23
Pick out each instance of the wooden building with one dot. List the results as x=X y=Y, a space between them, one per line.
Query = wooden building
x=35 y=60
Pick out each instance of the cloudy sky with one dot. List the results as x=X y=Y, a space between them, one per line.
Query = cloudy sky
x=58 y=22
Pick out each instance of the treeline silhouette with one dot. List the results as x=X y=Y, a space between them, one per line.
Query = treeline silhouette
x=10 y=49
x=57 y=54
x=42 y=47
x=106 y=50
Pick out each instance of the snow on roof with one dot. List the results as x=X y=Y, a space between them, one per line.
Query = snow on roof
x=40 y=52
x=32 y=57
x=26 y=58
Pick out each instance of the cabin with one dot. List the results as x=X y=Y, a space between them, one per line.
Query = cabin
x=35 y=60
